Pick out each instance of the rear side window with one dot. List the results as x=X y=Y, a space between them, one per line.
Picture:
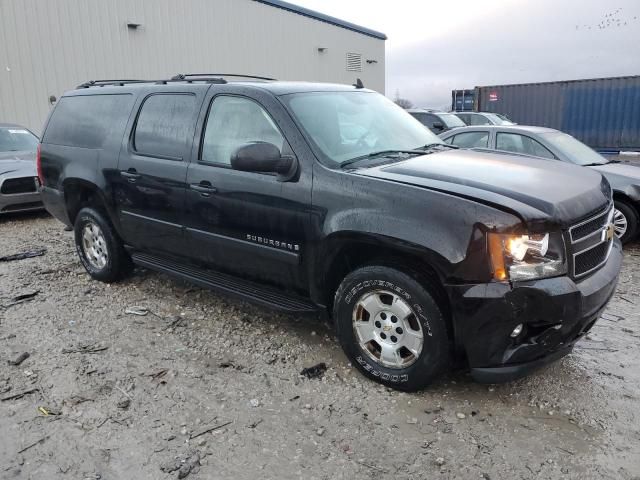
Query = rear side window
x=87 y=121
x=471 y=140
x=165 y=125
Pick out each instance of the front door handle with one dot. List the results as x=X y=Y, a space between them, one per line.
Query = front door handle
x=131 y=175
x=204 y=188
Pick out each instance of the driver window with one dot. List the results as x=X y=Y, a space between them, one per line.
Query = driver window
x=232 y=122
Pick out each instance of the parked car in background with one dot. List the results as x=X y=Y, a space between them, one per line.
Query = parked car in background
x=554 y=144
x=18 y=176
x=483 y=118
x=436 y=121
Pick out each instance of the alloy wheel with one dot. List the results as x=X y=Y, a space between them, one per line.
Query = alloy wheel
x=94 y=246
x=387 y=329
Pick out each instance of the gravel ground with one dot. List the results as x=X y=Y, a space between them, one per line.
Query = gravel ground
x=208 y=387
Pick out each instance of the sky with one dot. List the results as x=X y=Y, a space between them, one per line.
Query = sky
x=434 y=47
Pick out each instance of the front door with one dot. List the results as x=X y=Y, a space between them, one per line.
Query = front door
x=245 y=223
x=149 y=185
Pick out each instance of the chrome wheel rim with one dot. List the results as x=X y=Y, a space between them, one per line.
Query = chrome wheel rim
x=387 y=329
x=94 y=246
x=620 y=223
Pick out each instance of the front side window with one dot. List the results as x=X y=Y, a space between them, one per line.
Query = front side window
x=16 y=139
x=233 y=122
x=426 y=119
x=165 y=125
x=471 y=140
x=450 y=120
x=513 y=142
x=346 y=125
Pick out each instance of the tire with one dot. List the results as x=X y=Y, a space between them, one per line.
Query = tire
x=628 y=214
x=380 y=292
x=101 y=252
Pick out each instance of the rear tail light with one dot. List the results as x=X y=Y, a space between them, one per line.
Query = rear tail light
x=39 y=165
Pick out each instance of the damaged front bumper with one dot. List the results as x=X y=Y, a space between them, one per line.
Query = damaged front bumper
x=554 y=313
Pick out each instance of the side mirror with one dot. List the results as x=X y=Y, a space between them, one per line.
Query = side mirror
x=438 y=125
x=263 y=157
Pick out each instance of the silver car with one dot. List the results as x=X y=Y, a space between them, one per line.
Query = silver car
x=483 y=118
x=624 y=177
x=18 y=176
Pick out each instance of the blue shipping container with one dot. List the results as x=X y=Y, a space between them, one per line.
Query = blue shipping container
x=462 y=100
x=604 y=113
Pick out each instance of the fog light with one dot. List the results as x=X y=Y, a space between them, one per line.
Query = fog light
x=517 y=331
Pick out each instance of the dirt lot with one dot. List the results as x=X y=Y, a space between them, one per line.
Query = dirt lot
x=209 y=387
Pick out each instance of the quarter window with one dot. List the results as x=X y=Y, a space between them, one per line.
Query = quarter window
x=513 y=142
x=165 y=125
x=88 y=121
x=233 y=122
x=471 y=140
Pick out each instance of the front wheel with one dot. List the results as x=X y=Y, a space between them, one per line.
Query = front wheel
x=99 y=247
x=625 y=221
x=391 y=327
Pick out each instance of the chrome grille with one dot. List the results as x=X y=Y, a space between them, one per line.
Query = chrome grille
x=589 y=226
x=591 y=240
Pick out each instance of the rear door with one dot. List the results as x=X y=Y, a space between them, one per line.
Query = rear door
x=152 y=169
x=246 y=223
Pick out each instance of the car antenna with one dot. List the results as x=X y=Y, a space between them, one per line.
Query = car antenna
x=358 y=84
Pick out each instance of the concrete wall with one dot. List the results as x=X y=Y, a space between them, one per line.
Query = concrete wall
x=49 y=46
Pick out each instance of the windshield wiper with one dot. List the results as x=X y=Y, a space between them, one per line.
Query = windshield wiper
x=432 y=145
x=381 y=153
x=595 y=164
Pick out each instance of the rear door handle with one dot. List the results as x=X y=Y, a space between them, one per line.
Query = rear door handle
x=130 y=175
x=204 y=188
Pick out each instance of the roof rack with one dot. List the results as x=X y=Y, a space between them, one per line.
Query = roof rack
x=182 y=77
x=186 y=76
x=100 y=83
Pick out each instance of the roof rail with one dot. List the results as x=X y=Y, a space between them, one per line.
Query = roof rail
x=121 y=83
x=99 y=83
x=186 y=76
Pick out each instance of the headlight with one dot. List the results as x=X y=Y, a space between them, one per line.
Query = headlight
x=527 y=257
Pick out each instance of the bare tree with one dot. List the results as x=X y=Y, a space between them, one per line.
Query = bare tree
x=402 y=102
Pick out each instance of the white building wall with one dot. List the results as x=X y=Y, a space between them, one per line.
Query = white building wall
x=50 y=46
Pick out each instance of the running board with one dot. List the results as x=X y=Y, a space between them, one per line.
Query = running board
x=246 y=290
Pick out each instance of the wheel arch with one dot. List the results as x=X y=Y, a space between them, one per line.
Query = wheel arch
x=79 y=193
x=345 y=252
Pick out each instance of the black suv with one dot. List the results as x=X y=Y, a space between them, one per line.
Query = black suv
x=316 y=197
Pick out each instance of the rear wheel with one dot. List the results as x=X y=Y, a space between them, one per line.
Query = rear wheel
x=625 y=221
x=100 y=249
x=391 y=327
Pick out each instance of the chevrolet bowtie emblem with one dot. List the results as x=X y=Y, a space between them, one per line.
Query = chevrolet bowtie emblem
x=610 y=231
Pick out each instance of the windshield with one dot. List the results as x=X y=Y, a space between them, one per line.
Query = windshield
x=506 y=120
x=16 y=139
x=451 y=121
x=347 y=125
x=498 y=119
x=576 y=151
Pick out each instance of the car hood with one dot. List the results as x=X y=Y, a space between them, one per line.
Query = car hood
x=541 y=192
x=17 y=164
x=623 y=177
